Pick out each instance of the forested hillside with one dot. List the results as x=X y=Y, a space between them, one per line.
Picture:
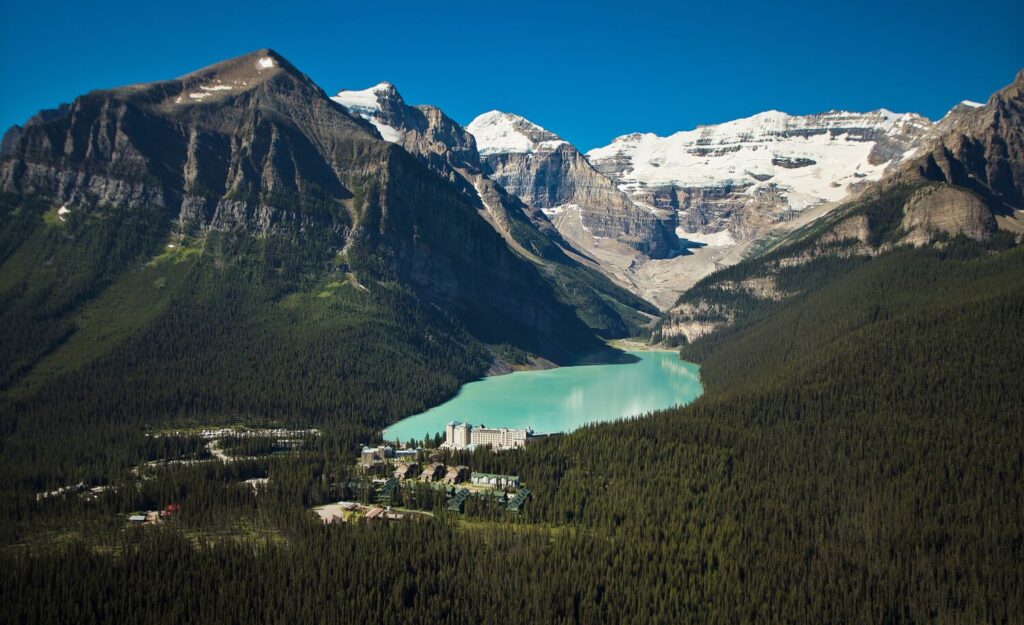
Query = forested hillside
x=856 y=458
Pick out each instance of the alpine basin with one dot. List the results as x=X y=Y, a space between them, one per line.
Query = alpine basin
x=562 y=399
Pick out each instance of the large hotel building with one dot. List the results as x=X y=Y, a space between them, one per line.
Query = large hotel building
x=458 y=435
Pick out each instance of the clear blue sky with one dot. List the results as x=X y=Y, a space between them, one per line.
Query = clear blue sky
x=587 y=70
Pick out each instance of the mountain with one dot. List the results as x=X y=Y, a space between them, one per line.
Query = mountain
x=659 y=213
x=235 y=242
x=962 y=182
x=979 y=147
x=450 y=151
x=547 y=172
x=740 y=177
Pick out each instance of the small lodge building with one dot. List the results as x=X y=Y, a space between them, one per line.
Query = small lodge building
x=407 y=470
x=456 y=475
x=494 y=480
x=432 y=472
x=381 y=514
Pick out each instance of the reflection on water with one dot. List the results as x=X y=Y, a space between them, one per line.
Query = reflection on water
x=563 y=399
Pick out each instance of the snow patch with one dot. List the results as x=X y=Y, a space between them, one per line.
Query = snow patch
x=366 y=104
x=364 y=100
x=722 y=238
x=972 y=104
x=265 y=63
x=390 y=133
x=558 y=210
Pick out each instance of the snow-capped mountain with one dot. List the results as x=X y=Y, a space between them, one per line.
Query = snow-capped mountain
x=505 y=133
x=658 y=213
x=744 y=175
x=547 y=172
x=450 y=151
x=367 y=103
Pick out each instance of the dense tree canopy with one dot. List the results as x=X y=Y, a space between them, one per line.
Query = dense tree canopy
x=856 y=458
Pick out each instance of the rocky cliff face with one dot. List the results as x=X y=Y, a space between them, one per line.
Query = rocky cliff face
x=203 y=148
x=712 y=191
x=547 y=172
x=978 y=147
x=451 y=151
x=251 y=146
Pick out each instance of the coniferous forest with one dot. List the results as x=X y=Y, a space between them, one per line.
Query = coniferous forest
x=856 y=457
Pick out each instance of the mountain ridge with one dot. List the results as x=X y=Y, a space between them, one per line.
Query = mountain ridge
x=451 y=151
x=964 y=183
x=260 y=173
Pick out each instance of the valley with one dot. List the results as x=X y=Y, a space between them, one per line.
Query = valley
x=271 y=354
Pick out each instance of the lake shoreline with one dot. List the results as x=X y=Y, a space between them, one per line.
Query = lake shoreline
x=565 y=398
x=627 y=345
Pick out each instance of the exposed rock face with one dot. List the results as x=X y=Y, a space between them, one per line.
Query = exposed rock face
x=948 y=210
x=883 y=218
x=966 y=174
x=13 y=134
x=771 y=164
x=252 y=146
x=547 y=172
x=422 y=130
x=979 y=147
x=451 y=152
x=852 y=228
x=200 y=147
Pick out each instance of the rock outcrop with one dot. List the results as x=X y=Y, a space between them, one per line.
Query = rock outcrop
x=978 y=147
x=548 y=173
x=945 y=210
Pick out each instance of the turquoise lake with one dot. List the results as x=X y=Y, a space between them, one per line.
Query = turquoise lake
x=562 y=399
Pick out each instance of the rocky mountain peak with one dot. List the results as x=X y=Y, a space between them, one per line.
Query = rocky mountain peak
x=497 y=132
x=548 y=173
x=223 y=80
x=381 y=105
x=712 y=173
x=979 y=147
x=370 y=100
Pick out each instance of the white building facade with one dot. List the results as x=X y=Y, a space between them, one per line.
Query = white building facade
x=460 y=435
